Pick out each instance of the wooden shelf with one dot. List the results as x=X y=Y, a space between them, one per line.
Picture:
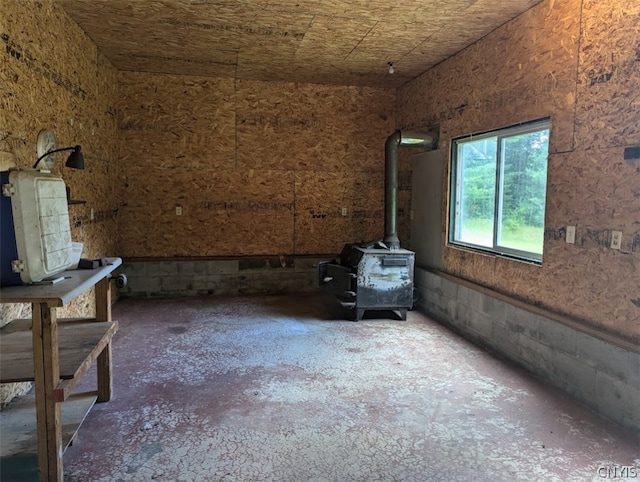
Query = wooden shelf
x=80 y=341
x=54 y=354
x=19 y=444
x=75 y=283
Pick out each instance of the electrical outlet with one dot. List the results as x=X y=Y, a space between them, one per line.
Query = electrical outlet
x=92 y=215
x=571 y=234
x=178 y=210
x=344 y=211
x=616 y=239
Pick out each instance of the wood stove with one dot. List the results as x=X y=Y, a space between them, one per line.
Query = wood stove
x=377 y=275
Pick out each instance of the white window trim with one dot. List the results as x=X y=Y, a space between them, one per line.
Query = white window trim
x=453 y=227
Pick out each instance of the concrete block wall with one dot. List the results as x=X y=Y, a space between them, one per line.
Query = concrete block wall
x=603 y=374
x=201 y=277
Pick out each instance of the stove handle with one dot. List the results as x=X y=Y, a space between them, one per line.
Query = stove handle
x=395 y=261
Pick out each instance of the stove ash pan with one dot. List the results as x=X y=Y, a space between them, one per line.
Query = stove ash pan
x=370 y=278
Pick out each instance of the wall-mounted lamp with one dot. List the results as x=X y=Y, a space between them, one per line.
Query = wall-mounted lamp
x=46 y=147
x=391 y=69
x=74 y=161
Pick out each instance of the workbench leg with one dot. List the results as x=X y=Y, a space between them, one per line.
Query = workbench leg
x=46 y=379
x=104 y=365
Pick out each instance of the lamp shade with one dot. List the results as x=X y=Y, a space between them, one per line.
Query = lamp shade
x=76 y=159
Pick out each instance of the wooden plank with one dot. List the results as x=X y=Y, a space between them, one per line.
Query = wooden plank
x=103 y=300
x=60 y=294
x=18 y=423
x=104 y=367
x=79 y=343
x=105 y=379
x=47 y=375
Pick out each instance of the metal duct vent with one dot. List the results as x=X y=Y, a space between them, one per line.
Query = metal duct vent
x=398 y=138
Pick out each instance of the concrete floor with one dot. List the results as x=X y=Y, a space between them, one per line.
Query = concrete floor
x=283 y=388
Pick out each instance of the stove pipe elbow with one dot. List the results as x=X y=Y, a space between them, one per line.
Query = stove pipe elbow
x=398 y=138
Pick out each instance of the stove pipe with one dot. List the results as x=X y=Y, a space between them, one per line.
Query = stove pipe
x=398 y=138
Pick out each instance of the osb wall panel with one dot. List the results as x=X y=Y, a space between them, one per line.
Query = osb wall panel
x=321 y=226
x=523 y=71
x=51 y=76
x=175 y=122
x=609 y=75
x=584 y=75
x=257 y=168
x=312 y=127
x=224 y=212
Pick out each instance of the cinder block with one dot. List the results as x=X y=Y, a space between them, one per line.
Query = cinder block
x=432 y=280
x=618 y=401
x=143 y=285
x=574 y=376
x=449 y=289
x=611 y=359
x=452 y=309
x=494 y=308
x=424 y=292
x=535 y=356
x=474 y=300
x=161 y=268
x=463 y=315
x=557 y=335
x=206 y=282
x=252 y=263
x=516 y=328
x=504 y=340
x=185 y=267
x=421 y=277
x=222 y=266
x=464 y=294
x=176 y=283
x=133 y=268
x=517 y=317
x=278 y=263
x=307 y=263
x=481 y=325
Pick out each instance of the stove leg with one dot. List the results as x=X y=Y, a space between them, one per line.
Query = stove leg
x=401 y=313
x=359 y=314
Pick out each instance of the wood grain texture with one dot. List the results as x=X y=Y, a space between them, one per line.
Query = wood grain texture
x=327 y=41
x=577 y=63
x=52 y=76
x=77 y=341
x=46 y=369
x=609 y=75
x=242 y=184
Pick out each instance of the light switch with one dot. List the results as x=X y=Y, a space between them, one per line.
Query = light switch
x=571 y=234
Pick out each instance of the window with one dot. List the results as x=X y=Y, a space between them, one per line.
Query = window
x=498 y=189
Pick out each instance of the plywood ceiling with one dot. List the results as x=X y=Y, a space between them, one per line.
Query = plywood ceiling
x=346 y=42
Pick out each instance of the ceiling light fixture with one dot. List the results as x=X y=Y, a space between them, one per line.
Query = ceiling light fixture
x=391 y=69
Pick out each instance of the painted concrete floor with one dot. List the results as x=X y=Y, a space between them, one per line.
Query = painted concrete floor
x=283 y=388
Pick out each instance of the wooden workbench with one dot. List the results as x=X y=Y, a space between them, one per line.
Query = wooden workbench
x=54 y=354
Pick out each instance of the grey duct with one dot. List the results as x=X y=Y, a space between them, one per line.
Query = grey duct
x=398 y=138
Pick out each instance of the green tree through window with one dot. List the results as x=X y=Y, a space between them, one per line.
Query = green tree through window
x=499 y=184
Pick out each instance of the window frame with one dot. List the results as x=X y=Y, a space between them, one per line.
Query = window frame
x=455 y=182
